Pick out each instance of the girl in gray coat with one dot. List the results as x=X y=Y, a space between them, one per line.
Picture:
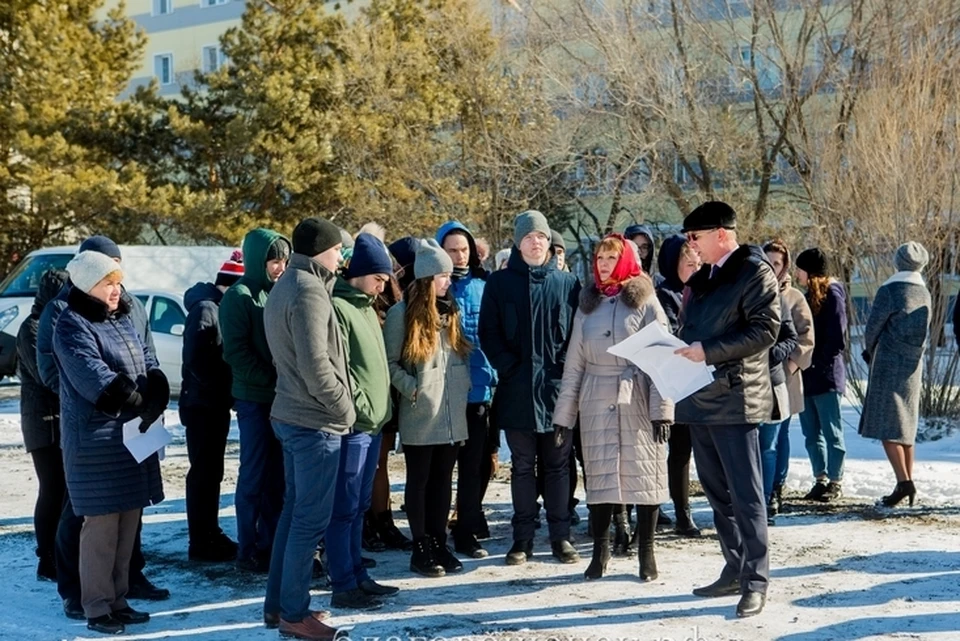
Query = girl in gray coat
x=624 y=422
x=894 y=339
x=428 y=359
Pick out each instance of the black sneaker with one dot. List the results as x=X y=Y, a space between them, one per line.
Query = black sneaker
x=129 y=616
x=105 y=624
x=73 y=610
x=443 y=555
x=833 y=492
x=564 y=552
x=816 y=492
x=355 y=599
x=143 y=590
x=520 y=552
x=373 y=588
x=468 y=545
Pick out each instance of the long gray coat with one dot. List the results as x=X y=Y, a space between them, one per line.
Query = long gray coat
x=894 y=339
x=616 y=401
x=802 y=356
x=433 y=395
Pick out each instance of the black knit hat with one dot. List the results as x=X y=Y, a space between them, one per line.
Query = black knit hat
x=314 y=236
x=710 y=215
x=813 y=261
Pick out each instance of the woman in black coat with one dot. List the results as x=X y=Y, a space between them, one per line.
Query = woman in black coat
x=40 y=423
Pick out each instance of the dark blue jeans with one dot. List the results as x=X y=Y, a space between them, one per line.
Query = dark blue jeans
x=783 y=454
x=769 y=434
x=311 y=459
x=525 y=449
x=259 y=494
x=823 y=435
x=359 y=455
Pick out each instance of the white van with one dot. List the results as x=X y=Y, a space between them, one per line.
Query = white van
x=157 y=275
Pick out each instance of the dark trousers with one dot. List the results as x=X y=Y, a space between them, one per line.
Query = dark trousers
x=525 y=448
x=106 y=543
x=576 y=456
x=728 y=464
x=206 y=430
x=258 y=496
x=429 y=488
x=473 y=465
x=678 y=467
x=48 y=464
x=68 y=553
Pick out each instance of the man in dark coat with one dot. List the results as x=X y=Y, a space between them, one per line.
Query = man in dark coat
x=205 y=402
x=731 y=321
x=68 y=530
x=525 y=321
x=40 y=423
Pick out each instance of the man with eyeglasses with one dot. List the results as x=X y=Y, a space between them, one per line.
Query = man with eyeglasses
x=730 y=322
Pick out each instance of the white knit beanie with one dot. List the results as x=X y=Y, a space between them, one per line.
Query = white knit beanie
x=88 y=268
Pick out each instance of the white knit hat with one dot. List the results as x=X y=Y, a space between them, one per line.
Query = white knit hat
x=88 y=268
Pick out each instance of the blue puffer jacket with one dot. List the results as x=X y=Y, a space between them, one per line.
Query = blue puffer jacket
x=101 y=361
x=468 y=292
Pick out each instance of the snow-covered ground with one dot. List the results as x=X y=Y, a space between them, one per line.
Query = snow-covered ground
x=840 y=572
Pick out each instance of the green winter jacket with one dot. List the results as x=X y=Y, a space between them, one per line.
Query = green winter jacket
x=245 y=346
x=366 y=356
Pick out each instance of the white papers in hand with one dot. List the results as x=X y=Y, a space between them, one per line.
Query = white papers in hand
x=143 y=445
x=652 y=350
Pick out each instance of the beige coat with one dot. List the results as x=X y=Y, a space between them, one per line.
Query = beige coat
x=616 y=402
x=802 y=356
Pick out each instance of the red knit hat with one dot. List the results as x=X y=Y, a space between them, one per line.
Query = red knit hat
x=231 y=271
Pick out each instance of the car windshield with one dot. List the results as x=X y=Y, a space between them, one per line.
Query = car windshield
x=25 y=277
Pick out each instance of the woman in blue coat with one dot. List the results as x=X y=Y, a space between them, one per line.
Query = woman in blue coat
x=107 y=378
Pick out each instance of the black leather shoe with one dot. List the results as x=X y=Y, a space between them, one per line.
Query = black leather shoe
x=373 y=588
x=105 y=624
x=564 y=552
x=73 y=609
x=146 y=591
x=751 y=604
x=720 y=587
x=520 y=552
x=128 y=615
x=355 y=599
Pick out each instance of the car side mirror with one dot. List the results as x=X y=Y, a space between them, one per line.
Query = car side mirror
x=177 y=330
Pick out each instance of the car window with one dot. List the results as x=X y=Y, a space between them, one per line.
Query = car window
x=164 y=314
x=25 y=277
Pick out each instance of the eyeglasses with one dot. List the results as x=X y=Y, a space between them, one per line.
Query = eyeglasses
x=695 y=236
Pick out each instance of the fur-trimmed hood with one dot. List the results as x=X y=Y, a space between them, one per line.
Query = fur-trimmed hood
x=633 y=294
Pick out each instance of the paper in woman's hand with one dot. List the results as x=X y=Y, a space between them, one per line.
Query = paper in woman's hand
x=143 y=444
x=652 y=350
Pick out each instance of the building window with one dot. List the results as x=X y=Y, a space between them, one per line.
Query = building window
x=212 y=3
x=213 y=58
x=163 y=68
x=162 y=7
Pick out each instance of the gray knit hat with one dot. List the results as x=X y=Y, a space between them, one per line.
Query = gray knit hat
x=88 y=268
x=528 y=222
x=911 y=257
x=431 y=260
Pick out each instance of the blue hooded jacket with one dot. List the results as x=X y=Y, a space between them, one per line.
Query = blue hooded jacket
x=468 y=292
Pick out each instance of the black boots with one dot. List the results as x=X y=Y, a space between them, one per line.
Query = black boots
x=370 y=537
x=443 y=555
x=389 y=534
x=520 y=552
x=646 y=530
x=601 y=543
x=423 y=561
x=621 y=534
x=685 y=524
x=904 y=490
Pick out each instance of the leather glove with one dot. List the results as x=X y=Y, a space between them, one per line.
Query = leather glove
x=866 y=357
x=157 y=397
x=661 y=431
x=559 y=435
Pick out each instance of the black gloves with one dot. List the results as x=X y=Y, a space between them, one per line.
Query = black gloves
x=559 y=435
x=866 y=357
x=156 y=397
x=661 y=431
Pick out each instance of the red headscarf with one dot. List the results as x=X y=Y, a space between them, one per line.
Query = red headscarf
x=627 y=267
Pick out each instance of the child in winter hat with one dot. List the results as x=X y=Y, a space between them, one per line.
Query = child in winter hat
x=88 y=268
x=431 y=260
